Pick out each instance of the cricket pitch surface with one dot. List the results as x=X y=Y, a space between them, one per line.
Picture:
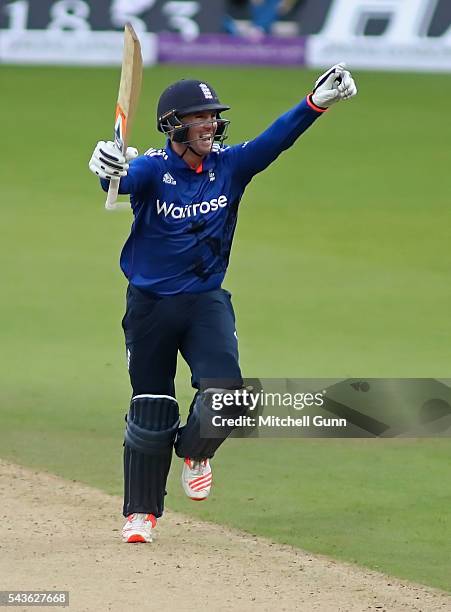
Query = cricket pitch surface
x=62 y=535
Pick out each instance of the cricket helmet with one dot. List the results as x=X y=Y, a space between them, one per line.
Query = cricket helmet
x=183 y=98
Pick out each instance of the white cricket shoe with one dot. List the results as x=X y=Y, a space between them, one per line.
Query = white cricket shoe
x=197 y=478
x=138 y=528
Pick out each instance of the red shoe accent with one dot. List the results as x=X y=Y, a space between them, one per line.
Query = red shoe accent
x=203 y=484
x=152 y=519
x=136 y=538
x=200 y=479
x=149 y=517
x=198 y=498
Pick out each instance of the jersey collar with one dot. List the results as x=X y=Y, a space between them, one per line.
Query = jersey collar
x=180 y=164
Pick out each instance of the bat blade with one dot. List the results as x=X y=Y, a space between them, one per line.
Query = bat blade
x=127 y=101
x=129 y=87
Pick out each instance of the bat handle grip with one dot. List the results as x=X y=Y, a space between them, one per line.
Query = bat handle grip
x=111 y=200
x=113 y=191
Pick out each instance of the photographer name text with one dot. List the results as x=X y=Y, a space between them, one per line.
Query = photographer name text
x=275 y=421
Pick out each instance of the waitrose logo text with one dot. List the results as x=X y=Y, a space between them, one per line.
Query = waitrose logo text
x=190 y=210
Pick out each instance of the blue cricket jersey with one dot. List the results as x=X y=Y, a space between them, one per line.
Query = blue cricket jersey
x=184 y=220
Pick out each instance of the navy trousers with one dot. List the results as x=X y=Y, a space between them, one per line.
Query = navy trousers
x=199 y=325
x=202 y=327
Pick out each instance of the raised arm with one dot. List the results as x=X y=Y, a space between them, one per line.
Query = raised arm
x=254 y=156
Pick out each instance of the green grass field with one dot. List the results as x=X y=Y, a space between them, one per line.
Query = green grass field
x=341 y=267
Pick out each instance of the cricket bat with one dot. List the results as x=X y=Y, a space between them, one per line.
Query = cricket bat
x=127 y=102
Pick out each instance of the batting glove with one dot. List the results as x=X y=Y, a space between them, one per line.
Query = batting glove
x=108 y=162
x=334 y=85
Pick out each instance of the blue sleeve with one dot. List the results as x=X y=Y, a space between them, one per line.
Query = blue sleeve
x=139 y=177
x=251 y=157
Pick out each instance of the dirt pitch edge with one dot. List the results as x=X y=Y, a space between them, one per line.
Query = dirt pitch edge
x=61 y=535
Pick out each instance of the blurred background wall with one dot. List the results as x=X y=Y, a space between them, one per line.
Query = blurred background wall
x=374 y=34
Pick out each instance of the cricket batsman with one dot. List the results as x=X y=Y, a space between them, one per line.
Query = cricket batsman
x=185 y=199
